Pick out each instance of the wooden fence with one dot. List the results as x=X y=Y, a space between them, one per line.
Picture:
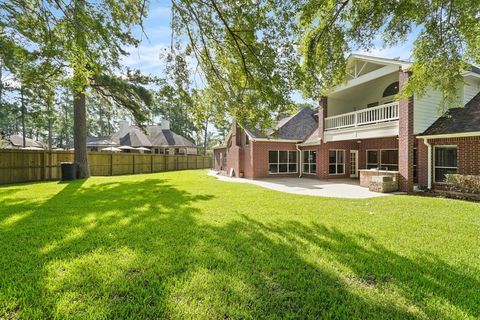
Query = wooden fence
x=29 y=165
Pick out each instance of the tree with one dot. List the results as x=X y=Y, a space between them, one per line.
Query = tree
x=85 y=40
x=446 y=44
x=246 y=51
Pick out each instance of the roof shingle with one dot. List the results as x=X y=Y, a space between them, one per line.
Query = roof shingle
x=458 y=120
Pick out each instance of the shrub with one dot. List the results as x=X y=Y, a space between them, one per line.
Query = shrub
x=464 y=183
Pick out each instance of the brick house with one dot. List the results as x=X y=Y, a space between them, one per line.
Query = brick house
x=360 y=125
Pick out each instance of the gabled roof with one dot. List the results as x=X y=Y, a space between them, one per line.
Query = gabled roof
x=458 y=120
x=134 y=137
x=100 y=141
x=296 y=127
x=16 y=140
x=378 y=60
x=168 y=138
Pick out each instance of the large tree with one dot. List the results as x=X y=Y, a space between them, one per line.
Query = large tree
x=246 y=51
x=445 y=33
x=84 y=41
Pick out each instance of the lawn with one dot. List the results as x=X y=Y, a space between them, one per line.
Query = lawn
x=184 y=245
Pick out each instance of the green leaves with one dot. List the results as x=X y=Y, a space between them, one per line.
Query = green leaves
x=247 y=53
x=447 y=43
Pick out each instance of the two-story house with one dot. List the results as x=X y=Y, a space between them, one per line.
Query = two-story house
x=360 y=125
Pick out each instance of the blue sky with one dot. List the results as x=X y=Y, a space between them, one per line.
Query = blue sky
x=157 y=28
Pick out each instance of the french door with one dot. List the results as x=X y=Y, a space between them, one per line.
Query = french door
x=353 y=163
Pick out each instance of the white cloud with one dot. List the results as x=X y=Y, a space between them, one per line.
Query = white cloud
x=402 y=51
x=146 y=58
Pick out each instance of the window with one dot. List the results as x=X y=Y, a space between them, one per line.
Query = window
x=445 y=162
x=282 y=161
x=389 y=160
x=386 y=159
x=247 y=140
x=373 y=159
x=391 y=90
x=415 y=172
x=336 y=161
x=310 y=162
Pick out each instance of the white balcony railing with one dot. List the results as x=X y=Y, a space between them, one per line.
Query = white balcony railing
x=383 y=113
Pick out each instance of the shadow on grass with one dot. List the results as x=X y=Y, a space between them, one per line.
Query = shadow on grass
x=148 y=249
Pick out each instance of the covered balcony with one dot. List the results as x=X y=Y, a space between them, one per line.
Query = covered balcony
x=364 y=109
x=384 y=113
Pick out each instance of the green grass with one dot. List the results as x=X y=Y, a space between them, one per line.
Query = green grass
x=184 y=245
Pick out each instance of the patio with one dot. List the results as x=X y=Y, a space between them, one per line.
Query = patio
x=338 y=188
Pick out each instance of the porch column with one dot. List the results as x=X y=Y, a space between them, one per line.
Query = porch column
x=406 y=139
x=322 y=114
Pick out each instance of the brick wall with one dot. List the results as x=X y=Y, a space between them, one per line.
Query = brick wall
x=322 y=114
x=260 y=157
x=218 y=156
x=361 y=145
x=468 y=157
x=406 y=138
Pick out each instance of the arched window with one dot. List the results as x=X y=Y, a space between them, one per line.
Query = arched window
x=391 y=90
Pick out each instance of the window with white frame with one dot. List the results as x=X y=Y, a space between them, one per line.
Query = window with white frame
x=282 y=161
x=444 y=162
x=310 y=162
x=336 y=161
x=385 y=159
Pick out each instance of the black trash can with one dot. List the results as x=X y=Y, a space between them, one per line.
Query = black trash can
x=69 y=171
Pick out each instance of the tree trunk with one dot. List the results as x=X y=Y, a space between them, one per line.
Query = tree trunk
x=49 y=114
x=205 y=142
x=80 y=135
x=22 y=106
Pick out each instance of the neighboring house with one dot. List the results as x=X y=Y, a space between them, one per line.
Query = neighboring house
x=158 y=138
x=15 y=141
x=98 y=143
x=360 y=126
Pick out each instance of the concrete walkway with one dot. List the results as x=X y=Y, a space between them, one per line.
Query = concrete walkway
x=338 y=188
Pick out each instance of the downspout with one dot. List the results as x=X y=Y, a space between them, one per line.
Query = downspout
x=429 y=166
x=300 y=165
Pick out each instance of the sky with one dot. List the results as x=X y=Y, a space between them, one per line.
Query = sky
x=158 y=34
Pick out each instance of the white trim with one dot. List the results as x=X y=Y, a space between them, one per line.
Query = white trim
x=275 y=140
x=451 y=135
x=336 y=162
x=356 y=163
x=310 y=163
x=383 y=71
x=279 y=163
x=306 y=144
x=429 y=165
x=386 y=61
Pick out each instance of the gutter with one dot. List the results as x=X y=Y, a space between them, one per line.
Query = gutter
x=451 y=135
x=429 y=166
x=300 y=165
x=275 y=140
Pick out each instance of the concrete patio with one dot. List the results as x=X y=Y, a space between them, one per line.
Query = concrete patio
x=338 y=188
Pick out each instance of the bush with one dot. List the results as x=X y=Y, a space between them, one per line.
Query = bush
x=464 y=183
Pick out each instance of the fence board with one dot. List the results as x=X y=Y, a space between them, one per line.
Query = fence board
x=37 y=165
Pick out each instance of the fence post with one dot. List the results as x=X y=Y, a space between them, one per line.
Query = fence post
x=133 y=161
x=151 y=163
x=111 y=164
x=176 y=162
x=43 y=174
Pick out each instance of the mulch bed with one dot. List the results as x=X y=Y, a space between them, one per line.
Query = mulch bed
x=473 y=197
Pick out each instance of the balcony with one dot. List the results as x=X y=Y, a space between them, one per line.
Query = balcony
x=384 y=113
x=380 y=121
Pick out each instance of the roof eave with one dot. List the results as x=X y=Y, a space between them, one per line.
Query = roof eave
x=449 y=135
x=275 y=140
